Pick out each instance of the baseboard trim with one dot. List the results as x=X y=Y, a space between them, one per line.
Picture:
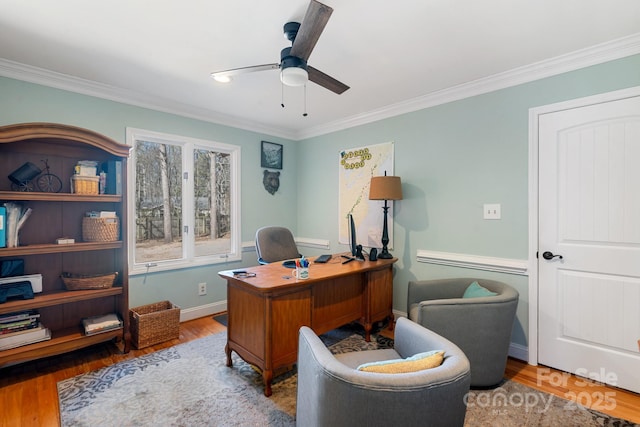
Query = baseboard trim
x=397 y=314
x=203 y=310
x=518 y=351
x=476 y=262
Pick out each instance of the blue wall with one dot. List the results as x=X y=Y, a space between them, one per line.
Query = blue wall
x=26 y=102
x=452 y=158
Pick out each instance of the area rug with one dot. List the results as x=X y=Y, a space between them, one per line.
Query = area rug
x=189 y=385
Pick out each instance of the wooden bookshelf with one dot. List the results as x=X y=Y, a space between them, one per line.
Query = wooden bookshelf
x=56 y=215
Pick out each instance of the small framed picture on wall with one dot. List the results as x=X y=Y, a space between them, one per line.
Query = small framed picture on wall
x=271 y=156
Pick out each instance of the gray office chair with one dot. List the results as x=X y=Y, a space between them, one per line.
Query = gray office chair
x=481 y=327
x=332 y=392
x=275 y=244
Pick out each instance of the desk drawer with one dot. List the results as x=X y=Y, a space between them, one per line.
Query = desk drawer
x=337 y=302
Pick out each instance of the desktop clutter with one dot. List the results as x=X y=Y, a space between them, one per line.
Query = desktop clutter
x=300 y=266
x=357 y=254
x=302 y=269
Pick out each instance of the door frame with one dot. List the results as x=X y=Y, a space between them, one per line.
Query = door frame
x=534 y=116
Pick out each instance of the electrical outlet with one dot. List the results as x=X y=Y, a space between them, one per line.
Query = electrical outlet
x=492 y=211
x=202 y=288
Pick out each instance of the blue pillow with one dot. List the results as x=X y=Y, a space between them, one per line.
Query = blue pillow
x=476 y=291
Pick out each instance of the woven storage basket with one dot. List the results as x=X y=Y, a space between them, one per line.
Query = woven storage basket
x=76 y=282
x=100 y=229
x=154 y=323
x=84 y=184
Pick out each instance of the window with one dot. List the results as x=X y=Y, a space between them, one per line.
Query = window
x=184 y=200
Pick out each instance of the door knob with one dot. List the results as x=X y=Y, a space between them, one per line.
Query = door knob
x=550 y=255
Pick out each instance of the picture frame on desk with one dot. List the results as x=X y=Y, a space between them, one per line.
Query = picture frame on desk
x=271 y=155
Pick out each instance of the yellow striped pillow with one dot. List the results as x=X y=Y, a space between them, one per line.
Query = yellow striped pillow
x=418 y=362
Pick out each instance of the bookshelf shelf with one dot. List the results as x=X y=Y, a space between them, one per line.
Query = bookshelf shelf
x=55 y=248
x=58 y=197
x=56 y=298
x=61 y=341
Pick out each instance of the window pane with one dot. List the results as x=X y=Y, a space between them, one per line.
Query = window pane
x=212 y=202
x=158 y=202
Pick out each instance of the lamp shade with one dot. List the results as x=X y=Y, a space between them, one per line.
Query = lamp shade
x=385 y=188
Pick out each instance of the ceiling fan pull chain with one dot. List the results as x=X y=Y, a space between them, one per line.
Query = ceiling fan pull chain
x=282 y=95
x=304 y=114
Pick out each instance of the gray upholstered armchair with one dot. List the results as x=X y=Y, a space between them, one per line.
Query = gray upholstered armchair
x=480 y=326
x=332 y=392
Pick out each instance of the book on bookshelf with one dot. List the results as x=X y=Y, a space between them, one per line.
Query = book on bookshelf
x=20 y=321
x=36 y=325
x=113 y=168
x=98 y=324
x=19 y=326
x=3 y=227
x=27 y=337
x=17 y=316
x=65 y=241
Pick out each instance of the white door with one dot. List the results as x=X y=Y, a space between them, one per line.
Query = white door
x=589 y=221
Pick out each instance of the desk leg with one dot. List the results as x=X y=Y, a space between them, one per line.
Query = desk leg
x=368 y=327
x=227 y=350
x=367 y=332
x=267 y=377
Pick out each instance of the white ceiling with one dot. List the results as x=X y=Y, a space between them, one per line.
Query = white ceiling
x=394 y=55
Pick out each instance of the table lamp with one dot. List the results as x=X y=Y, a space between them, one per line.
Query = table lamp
x=385 y=188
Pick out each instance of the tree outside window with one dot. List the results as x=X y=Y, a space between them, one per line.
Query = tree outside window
x=184 y=199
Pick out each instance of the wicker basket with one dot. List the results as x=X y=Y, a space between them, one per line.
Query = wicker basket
x=154 y=323
x=100 y=229
x=84 y=184
x=77 y=282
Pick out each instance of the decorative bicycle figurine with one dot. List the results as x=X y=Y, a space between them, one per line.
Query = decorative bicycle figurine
x=21 y=179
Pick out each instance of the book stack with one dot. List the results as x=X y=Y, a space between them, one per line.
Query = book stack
x=99 y=324
x=21 y=328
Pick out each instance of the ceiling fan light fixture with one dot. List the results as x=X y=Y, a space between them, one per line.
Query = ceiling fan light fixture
x=294 y=76
x=293 y=70
x=221 y=77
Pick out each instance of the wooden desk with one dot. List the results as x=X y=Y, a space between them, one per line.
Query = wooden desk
x=265 y=312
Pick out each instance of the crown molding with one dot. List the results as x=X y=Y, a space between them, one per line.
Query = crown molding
x=594 y=55
x=69 y=83
x=604 y=52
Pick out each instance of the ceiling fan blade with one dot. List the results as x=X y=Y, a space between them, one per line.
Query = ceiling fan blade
x=326 y=81
x=315 y=19
x=243 y=70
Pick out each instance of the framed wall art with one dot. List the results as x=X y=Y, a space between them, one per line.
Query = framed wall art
x=271 y=156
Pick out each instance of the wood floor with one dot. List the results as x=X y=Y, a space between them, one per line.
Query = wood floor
x=29 y=395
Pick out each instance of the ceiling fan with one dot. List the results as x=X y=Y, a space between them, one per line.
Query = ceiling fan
x=294 y=70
